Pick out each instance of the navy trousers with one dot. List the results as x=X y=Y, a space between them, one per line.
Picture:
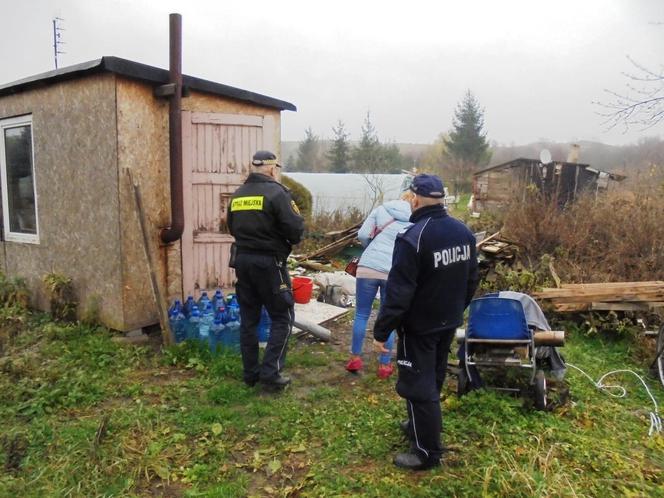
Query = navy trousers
x=422 y=364
x=263 y=280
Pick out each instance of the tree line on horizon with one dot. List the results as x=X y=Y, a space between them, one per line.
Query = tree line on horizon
x=460 y=152
x=454 y=156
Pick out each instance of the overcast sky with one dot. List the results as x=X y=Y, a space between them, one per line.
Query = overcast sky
x=535 y=66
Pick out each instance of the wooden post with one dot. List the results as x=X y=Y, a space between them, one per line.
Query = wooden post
x=166 y=332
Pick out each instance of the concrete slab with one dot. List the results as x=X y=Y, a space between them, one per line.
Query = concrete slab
x=317 y=312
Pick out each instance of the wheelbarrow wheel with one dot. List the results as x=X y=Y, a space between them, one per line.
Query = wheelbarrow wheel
x=659 y=361
x=463 y=382
x=540 y=390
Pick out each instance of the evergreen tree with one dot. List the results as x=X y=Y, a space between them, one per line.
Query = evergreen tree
x=307 y=152
x=467 y=146
x=289 y=163
x=367 y=156
x=339 y=153
x=392 y=159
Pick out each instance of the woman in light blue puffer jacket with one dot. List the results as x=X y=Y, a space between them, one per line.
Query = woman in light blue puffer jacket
x=377 y=235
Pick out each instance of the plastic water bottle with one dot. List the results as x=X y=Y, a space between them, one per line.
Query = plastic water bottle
x=232 y=331
x=264 y=327
x=178 y=325
x=188 y=304
x=172 y=314
x=177 y=306
x=207 y=317
x=193 y=323
x=219 y=302
x=202 y=302
x=231 y=300
x=234 y=307
x=216 y=333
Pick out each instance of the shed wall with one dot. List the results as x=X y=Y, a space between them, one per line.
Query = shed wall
x=76 y=184
x=200 y=102
x=143 y=147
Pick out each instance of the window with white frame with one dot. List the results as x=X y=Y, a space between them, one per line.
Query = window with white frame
x=19 y=199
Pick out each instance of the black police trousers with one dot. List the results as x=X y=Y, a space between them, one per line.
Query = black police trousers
x=421 y=366
x=263 y=280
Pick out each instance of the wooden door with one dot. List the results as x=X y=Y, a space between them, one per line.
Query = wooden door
x=217 y=155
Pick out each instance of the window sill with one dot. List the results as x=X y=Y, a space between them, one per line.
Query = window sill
x=20 y=238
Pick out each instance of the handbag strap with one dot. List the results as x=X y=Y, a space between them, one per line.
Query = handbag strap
x=383 y=227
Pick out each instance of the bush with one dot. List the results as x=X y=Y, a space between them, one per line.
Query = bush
x=615 y=237
x=518 y=279
x=13 y=292
x=60 y=291
x=301 y=196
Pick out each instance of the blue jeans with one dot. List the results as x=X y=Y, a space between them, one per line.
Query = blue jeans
x=365 y=293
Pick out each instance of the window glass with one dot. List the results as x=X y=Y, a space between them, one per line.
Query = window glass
x=20 y=180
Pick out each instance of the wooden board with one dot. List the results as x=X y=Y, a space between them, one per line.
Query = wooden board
x=651 y=283
x=609 y=292
x=623 y=306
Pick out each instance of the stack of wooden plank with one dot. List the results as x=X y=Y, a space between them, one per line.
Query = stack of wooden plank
x=494 y=248
x=341 y=239
x=610 y=296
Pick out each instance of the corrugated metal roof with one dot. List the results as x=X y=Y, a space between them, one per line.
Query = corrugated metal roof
x=518 y=161
x=143 y=72
x=515 y=162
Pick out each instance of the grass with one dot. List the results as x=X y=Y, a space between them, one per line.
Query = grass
x=83 y=416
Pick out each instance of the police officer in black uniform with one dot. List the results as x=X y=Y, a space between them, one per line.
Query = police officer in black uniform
x=266 y=223
x=433 y=278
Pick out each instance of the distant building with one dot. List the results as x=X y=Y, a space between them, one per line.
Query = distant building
x=493 y=187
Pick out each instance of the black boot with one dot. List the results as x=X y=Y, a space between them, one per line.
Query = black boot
x=413 y=461
x=276 y=384
x=251 y=381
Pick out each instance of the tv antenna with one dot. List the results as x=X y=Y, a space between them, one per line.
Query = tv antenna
x=57 y=39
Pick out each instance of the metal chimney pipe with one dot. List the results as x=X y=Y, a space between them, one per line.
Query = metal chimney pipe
x=174 y=232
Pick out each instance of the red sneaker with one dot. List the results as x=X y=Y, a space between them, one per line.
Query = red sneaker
x=384 y=371
x=354 y=364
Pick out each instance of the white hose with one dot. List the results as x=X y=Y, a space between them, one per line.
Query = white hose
x=655 y=420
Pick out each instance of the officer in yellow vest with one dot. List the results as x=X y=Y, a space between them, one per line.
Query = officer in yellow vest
x=266 y=223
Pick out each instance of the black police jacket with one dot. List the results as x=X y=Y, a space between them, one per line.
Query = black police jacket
x=263 y=217
x=433 y=277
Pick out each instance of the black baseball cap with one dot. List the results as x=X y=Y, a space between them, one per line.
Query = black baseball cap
x=428 y=186
x=264 y=158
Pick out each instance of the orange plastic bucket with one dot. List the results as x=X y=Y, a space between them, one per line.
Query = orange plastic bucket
x=302 y=287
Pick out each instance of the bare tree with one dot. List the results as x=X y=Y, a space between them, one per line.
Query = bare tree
x=642 y=102
x=376 y=186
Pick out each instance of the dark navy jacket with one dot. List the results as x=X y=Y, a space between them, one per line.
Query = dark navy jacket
x=433 y=277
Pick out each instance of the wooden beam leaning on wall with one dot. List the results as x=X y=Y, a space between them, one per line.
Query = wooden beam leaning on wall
x=166 y=332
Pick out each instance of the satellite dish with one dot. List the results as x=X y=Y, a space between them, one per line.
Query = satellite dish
x=545 y=156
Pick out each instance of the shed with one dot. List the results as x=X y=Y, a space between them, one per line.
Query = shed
x=561 y=181
x=69 y=139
